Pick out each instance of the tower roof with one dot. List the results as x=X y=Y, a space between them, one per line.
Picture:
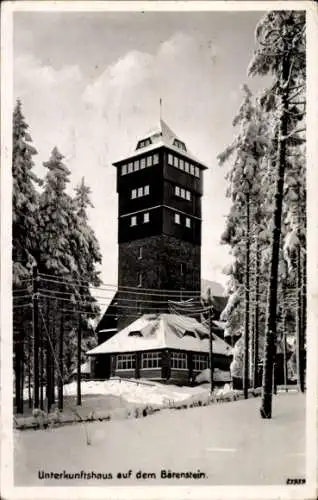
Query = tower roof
x=162 y=135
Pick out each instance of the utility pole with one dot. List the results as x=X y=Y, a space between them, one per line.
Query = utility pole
x=79 y=351
x=35 y=325
x=211 y=351
x=256 y=317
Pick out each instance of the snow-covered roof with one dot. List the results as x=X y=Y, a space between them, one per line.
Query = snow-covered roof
x=162 y=331
x=161 y=135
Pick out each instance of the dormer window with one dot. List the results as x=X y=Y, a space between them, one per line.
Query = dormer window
x=144 y=143
x=179 y=144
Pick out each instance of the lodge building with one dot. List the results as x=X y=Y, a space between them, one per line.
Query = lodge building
x=160 y=187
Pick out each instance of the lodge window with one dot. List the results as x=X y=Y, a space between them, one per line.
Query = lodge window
x=142 y=162
x=176 y=161
x=133 y=193
x=140 y=192
x=192 y=169
x=181 y=164
x=197 y=172
x=150 y=360
x=136 y=165
x=188 y=195
x=146 y=217
x=188 y=222
x=187 y=167
x=177 y=218
x=170 y=159
x=133 y=220
x=125 y=362
x=200 y=362
x=155 y=159
x=130 y=168
x=179 y=360
x=149 y=161
x=124 y=169
x=146 y=190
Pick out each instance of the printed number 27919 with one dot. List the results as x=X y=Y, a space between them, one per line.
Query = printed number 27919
x=295 y=480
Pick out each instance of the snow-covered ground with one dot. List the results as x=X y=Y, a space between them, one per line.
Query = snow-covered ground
x=229 y=443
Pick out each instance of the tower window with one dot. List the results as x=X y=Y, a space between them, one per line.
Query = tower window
x=155 y=159
x=133 y=193
x=123 y=169
x=170 y=159
x=143 y=163
x=197 y=172
x=133 y=220
x=177 y=218
x=146 y=217
x=188 y=222
x=136 y=165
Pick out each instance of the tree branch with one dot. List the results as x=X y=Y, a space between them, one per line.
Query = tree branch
x=292 y=133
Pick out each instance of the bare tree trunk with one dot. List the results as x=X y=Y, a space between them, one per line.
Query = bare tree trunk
x=247 y=300
x=304 y=312
x=270 y=330
x=299 y=324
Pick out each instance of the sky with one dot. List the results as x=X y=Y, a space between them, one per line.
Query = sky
x=90 y=84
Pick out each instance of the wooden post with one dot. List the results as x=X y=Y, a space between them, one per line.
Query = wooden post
x=35 y=322
x=211 y=352
x=79 y=352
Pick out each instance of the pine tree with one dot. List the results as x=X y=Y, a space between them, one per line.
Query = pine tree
x=246 y=152
x=24 y=230
x=24 y=198
x=280 y=51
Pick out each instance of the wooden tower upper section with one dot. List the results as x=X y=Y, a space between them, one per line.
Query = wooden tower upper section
x=160 y=186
